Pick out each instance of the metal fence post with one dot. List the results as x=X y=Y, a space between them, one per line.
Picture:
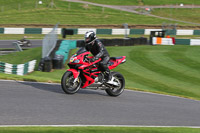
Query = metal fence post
x=17 y=46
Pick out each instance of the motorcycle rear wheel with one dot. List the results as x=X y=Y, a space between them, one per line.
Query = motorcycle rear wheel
x=68 y=83
x=116 y=90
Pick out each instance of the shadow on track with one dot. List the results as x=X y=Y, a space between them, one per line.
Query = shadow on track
x=56 y=88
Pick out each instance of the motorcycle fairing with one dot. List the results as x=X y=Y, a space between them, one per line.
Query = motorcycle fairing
x=74 y=71
x=88 y=81
x=115 y=61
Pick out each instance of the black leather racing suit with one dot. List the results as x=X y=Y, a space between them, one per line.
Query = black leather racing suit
x=99 y=51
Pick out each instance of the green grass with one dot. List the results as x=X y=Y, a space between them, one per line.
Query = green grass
x=97 y=130
x=68 y=13
x=22 y=57
x=193 y=15
x=73 y=37
x=20 y=36
x=144 y=2
x=171 y=2
x=115 y=2
x=170 y=70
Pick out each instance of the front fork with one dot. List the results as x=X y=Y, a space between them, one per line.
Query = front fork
x=75 y=73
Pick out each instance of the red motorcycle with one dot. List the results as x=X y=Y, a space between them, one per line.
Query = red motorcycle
x=83 y=73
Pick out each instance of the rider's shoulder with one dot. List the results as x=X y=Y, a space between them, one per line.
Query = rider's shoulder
x=98 y=42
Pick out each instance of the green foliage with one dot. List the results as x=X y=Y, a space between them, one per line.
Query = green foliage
x=193 y=15
x=22 y=57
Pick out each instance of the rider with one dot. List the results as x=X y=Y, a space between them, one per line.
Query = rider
x=23 y=39
x=98 y=50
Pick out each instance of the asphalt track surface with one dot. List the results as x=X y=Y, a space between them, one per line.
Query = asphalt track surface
x=8 y=43
x=28 y=103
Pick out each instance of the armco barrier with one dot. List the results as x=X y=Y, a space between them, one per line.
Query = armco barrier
x=104 y=31
x=196 y=32
x=182 y=41
x=137 y=31
x=82 y=31
x=1 y=30
x=13 y=30
x=192 y=42
x=162 y=41
x=185 y=32
x=33 y=31
x=20 y=69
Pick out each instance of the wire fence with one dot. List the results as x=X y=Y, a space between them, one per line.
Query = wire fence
x=49 y=42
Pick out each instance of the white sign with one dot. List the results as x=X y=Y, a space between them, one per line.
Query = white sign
x=40 y=2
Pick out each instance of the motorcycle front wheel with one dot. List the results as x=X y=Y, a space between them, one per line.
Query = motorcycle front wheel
x=69 y=84
x=116 y=90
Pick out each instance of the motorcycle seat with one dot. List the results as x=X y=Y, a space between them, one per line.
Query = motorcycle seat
x=115 y=58
x=110 y=63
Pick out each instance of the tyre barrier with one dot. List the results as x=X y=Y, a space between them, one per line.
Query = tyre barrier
x=119 y=42
x=18 y=69
x=58 y=62
x=58 y=56
x=45 y=64
x=64 y=48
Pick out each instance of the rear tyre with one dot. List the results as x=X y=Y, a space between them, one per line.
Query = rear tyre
x=114 y=90
x=68 y=83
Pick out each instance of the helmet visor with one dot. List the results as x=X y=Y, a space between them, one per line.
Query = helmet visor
x=87 y=40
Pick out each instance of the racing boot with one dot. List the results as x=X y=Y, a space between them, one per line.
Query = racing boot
x=107 y=76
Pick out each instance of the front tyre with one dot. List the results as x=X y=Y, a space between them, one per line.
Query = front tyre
x=69 y=84
x=116 y=90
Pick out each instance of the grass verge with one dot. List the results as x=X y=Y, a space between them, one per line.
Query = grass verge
x=193 y=15
x=98 y=130
x=28 y=12
x=144 y=2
